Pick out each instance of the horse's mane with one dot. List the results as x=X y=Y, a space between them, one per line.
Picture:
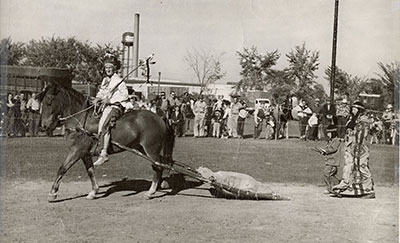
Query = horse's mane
x=67 y=96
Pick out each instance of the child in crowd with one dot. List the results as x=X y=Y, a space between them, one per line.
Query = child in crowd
x=217 y=120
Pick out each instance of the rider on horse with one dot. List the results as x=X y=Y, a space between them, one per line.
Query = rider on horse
x=113 y=94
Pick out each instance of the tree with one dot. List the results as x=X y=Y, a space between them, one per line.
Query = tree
x=342 y=80
x=206 y=66
x=256 y=68
x=389 y=78
x=84 y=60
x=302 y=66
x=11 y=53
x=281 y=84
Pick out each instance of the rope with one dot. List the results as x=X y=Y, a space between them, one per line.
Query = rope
x=77 y=113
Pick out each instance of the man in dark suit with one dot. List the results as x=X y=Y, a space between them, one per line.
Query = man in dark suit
x=328 y=117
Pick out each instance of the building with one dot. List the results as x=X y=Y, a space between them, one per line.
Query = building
x=31 y=79
x=151 y=90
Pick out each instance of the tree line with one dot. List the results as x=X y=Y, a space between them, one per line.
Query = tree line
x=299 y=77
x=257 y=69
x=82 y=58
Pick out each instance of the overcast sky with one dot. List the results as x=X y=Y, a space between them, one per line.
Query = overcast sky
x=368 y=29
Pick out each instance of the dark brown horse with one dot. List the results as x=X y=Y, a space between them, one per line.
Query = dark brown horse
x=140 y=129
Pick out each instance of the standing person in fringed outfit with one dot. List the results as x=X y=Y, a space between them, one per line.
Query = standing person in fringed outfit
x=113 y=95
x=356 y=179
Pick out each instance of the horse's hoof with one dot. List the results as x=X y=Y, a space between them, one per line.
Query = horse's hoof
x=91 y=195
x=52 y=197
x=149 y=196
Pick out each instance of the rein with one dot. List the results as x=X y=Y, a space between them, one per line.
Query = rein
x=77 y=113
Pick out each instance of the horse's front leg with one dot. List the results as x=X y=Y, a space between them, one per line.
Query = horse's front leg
x=71 y=159
x=87 y=160
x=157 y=174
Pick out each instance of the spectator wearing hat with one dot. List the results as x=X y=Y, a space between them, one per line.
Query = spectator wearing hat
x=328 y=117
x=217 y=121
x=199 y=109
x=113 y=94
x=342 y=114
x=356 y=178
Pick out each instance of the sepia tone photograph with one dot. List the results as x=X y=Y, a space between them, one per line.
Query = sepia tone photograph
x=199 y=121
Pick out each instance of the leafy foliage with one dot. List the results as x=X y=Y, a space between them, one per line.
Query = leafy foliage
x=351 y=86
x=11 y=53
x=389 y=79
x=82 y=58
x=206 y=66
x=256 y=68
x=302 y=66
x=281 y=85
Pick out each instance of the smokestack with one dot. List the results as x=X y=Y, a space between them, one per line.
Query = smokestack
x=136 y=44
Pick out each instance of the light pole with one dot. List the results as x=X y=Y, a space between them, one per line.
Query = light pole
x=334 y=43
x=158 y=87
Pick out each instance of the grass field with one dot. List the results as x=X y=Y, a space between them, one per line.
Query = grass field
x=281 y=161
x=121 y=213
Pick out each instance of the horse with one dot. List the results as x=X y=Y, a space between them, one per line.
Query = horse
x=138 y=129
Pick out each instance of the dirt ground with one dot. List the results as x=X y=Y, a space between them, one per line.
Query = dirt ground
x=122 y=214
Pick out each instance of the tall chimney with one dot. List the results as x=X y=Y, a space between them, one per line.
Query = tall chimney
x=136 y=44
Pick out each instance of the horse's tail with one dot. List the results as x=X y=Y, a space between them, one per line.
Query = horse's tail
x=169 y=143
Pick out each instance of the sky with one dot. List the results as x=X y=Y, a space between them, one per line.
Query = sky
x=369 y=30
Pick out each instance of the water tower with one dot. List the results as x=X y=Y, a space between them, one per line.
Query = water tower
x=130 y=49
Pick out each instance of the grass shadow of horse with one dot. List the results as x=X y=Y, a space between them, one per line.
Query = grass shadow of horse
x=174 y=183
x=171 y=185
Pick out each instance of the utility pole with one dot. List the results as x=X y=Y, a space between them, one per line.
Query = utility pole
x=136 y=44
x=334 y=43
x=158 y=87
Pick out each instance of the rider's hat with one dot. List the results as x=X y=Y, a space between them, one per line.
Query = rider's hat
x=110 y=60
x=358 y=104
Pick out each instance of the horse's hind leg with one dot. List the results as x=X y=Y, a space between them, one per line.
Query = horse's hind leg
x=71 y=159
x=87 y=160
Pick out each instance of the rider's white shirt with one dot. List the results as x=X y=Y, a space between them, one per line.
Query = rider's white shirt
x=120 y=94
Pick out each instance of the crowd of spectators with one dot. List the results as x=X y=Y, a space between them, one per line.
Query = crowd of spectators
x=209 y=116
x=20 y=115
x=217 y=117
x=205 y=115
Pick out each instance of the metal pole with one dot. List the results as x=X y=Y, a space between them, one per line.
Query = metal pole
x=123 y=60
x=333 y=65
x=127 y=61
x=136 y=44
x=158 y=87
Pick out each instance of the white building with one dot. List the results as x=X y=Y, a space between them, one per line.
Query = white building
x=152 y=89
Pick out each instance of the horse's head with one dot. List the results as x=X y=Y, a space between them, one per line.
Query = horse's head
x=52 y=106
